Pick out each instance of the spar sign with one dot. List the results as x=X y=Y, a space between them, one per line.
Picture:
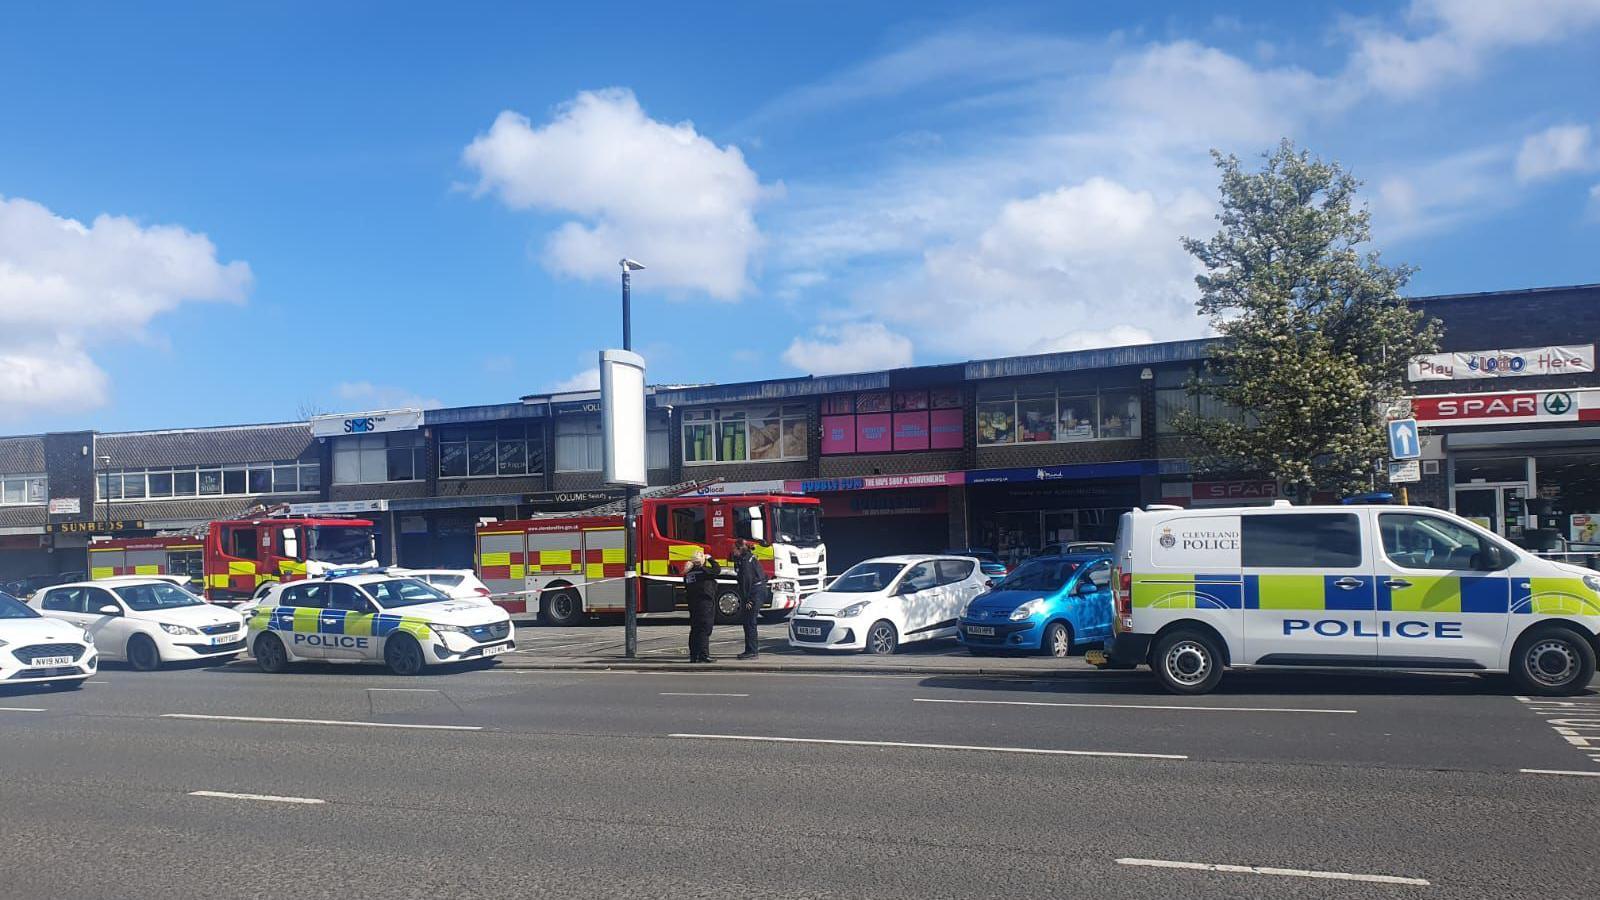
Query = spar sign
x=1507 y=408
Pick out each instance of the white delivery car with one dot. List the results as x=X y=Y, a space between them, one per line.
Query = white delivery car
x=373 y=617
x=1198 y=591
x=882 y=603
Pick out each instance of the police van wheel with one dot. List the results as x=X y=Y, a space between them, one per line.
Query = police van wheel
x=561 y=608
x=403 y=655
x=1187 y=662
x=729 y=607
x=270 y=655
x=1552 y=662
x=142 y=654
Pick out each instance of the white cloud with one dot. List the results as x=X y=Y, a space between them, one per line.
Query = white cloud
x=367 y=395
x=1558 y=149
x=1453 y=38
x=66 y=286
x=586 y=380
x=1439 y=194
x=663 y=194
x=1089 y=263
x=1594 y=203
x=850 y=347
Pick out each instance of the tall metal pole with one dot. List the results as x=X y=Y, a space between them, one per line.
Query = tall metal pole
x=630 y=576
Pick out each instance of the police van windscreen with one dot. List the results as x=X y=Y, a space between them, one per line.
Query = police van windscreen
x=341 y=544
x=1039 y=575
x=398 y=592
x=796 y=524
x=156 y=595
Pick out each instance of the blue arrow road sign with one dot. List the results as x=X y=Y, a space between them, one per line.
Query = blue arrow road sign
x=1403 y=442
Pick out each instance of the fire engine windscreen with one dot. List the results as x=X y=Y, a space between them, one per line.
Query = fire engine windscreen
x=799 y=525
x=342 y=544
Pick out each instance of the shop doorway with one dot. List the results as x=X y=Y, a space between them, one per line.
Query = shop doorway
x=1498 y=507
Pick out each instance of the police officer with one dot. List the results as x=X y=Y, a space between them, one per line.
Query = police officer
x=700 y=584
x=753 y=594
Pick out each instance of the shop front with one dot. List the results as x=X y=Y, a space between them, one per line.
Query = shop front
x=1017 y=512
x=1524 y=464
x=882 y=515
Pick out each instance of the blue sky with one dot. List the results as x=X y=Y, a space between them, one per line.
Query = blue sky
x=219 y=213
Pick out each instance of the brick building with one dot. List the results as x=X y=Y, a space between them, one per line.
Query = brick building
x=1009 y=454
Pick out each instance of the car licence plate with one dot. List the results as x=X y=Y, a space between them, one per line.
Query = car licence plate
x=496 y=650
x=807 y=629
x=985 y=630
x=52 y=660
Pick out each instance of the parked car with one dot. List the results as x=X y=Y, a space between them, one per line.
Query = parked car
x=1070 y=547
x=988 y=560
x=1049 y=604
x=883 y=603
x=460 y=584
x=145 y=621
x=41 y=649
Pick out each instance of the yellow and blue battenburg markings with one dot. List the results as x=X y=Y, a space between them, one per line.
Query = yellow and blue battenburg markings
x=1488 y=594
x=296 y=620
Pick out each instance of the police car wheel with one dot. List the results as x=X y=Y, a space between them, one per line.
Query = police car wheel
x=1057 y=640
x=561 y=608
x=403 y=655
x=142 y=653
x=1187 y=662
x=729 y=607
x=882 y=639
x=1552 y=661
x=270 y=655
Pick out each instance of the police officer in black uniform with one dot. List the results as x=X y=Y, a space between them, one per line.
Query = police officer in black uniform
x=700 y=584
x=753 y=594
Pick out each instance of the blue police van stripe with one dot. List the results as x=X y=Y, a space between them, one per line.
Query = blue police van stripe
x=1252 y=592
x=1224 y=591
x=1336 y=598
x=1484 y=594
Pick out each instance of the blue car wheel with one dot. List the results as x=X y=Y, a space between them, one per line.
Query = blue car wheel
x=1057 y=640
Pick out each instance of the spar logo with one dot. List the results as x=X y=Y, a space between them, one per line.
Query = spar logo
x=1557 y=404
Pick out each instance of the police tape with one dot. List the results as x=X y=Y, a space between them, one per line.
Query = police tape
x=591 y=582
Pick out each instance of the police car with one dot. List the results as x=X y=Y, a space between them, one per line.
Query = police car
x=373 y=616
x=1202 y=590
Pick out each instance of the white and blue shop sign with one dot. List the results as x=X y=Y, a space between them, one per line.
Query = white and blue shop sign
x=377 y=422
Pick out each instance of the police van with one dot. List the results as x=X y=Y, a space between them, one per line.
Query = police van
x=373 y=616
x=1198 y=591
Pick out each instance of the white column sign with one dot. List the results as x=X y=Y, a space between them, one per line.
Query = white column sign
x=622 y=417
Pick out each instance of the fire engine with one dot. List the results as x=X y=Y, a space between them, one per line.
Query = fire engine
x=229 y=560
x=565 y=567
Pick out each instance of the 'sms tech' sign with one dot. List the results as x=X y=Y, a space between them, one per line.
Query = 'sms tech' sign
x=366 y=423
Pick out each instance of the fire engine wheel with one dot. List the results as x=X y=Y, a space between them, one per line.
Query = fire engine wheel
x=403 y=655
x=561 y=608
x=728 y=607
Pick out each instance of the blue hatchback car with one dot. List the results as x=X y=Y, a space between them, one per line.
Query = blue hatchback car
x=1049 y=604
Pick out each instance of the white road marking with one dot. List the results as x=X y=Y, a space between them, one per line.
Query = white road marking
x=23 y=709
x=97 y=682
x=1560 y=772
x=275 y=721
x=698 y=694
x=1268 y=870
x=406 y=690
x=1040 y=751
x=1276 y=709
x=268 y=798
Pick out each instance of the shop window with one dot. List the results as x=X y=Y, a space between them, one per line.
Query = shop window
x=740 y=434
x=23 y=490
x=1479 y=471
x=1072 y=409
x=885 y=422
x=580 y=444
x=376 y=458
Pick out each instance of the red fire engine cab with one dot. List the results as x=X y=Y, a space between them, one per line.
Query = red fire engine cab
x=229 y=560
x=565 y=567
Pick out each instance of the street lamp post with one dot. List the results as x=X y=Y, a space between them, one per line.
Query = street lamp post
x=630 y=575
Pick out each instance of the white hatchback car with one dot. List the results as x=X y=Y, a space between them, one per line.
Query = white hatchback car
x=460 y=584
x=36 y=649
x=146 y=622
x=882 y=603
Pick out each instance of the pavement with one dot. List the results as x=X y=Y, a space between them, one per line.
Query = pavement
x=343 y=781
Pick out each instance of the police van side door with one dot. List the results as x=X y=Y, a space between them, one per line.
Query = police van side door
x=1444 y=592
x=1310 y=593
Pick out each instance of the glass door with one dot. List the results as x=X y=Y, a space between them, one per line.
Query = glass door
x=1499 y=508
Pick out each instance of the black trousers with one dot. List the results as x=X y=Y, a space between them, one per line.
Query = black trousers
x=748 y=615
x=702 y=614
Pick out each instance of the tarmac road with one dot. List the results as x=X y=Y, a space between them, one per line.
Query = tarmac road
x=502 y=782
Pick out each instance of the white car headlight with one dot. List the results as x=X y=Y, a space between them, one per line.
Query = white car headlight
x=447 y=629
x=853 y=610
x=170 y=628
x=87 y=639
x=1027 y=610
